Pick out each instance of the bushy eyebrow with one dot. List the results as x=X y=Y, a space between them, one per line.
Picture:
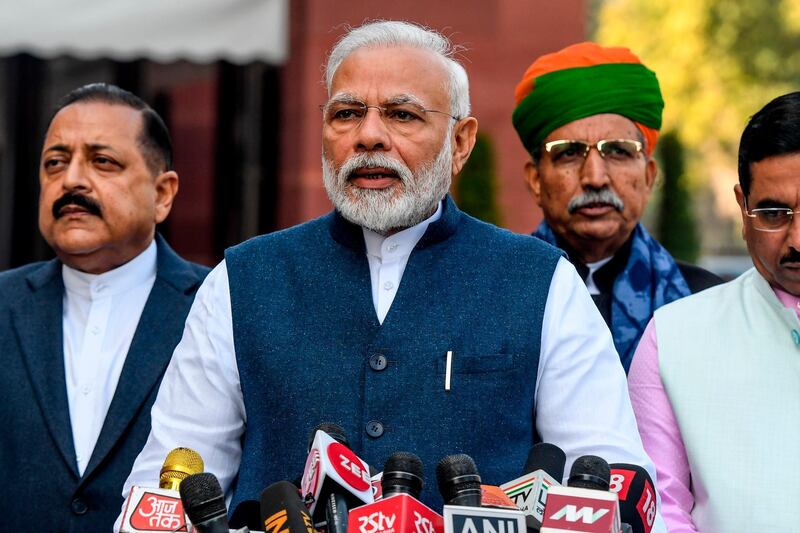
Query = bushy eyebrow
x=349 y=98
x=766 y=203
x=66 y=149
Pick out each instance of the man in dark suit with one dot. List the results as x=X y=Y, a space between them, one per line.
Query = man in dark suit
x=86 y=337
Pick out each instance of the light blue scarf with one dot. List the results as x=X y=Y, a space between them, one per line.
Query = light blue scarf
x=651 y=278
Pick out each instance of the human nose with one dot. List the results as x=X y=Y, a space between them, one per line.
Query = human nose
x=372 y=133
x=75 y=176
x=594 y=172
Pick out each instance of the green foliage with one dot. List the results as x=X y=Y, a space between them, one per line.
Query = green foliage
x=676 y=228
x=475 y=188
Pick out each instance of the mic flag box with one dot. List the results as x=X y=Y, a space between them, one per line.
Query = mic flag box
x=464 y=519
x=149 y=509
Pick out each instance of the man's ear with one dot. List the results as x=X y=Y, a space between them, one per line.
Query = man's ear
x=166 y=186
x=533 y=181
x=740 y=199
x=650 y=174
x=464 y=134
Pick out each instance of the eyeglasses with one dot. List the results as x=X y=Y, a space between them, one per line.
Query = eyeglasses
x=770 y=218
x=404 y=118
x=566 y=152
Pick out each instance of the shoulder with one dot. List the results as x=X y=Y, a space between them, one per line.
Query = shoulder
x=492 y=240
x=305 y=234
x=16 y=279
x=698 y=278
x=719 y=298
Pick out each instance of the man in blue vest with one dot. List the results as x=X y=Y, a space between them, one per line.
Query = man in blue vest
x=407 y=322
x=714 y=381
x=86 y=337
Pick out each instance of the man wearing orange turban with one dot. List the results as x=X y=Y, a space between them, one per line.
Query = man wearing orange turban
x=589 y=116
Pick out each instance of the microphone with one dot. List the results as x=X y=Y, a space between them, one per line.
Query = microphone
x=282 y=510
x=637 y=497
x=161 y=509
x=402 y=474
x=334 y=480
x=585 y=505
x=247 y=514
x=459 y=481
x=544 y=469
x=460 y=485
x=179 y=463
x=399 y=511
x=204 y=502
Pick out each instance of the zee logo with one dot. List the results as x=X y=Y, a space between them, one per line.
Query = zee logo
x=349 y=466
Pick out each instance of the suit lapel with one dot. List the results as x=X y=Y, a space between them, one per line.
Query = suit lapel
x=38 y=322
x=159 y=330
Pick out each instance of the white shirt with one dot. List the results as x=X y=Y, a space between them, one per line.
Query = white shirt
x=591 y=286
x=100 y=315
x=388 y=257
x=582 y=403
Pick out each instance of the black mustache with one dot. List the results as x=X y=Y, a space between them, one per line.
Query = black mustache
x=76 y=199
x=792 y=257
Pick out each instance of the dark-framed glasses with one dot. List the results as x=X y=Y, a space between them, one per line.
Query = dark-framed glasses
x=405 y=118
x=770 y=218
x=616 y=151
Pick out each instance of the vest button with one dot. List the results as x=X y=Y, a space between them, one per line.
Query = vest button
x=374 y=429
x=79 y=507
x=377 y=362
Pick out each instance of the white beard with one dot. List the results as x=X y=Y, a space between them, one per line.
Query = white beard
x=383 y=210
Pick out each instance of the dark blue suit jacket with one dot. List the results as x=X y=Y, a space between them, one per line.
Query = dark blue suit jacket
x=38 y=468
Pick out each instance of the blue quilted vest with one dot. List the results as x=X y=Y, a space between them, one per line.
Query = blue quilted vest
x=307 y=341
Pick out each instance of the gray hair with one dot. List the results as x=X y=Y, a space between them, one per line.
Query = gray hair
x=394 y=33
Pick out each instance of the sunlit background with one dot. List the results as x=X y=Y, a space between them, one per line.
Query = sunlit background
x=239 y=84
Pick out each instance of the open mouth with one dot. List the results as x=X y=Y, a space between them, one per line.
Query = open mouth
x=373 y=177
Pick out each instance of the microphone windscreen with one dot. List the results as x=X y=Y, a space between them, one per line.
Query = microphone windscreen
x=547 y=457
x=334 y=430
x=178 y=465
x=402 y=474
x=458 y=476
x=247 y=514
x=590 y=472
x=637 y=496
x=202 y=497
x=283 y=510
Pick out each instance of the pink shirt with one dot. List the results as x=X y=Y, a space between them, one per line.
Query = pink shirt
x=659 y=429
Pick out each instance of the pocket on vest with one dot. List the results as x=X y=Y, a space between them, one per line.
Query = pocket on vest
x=477 y=364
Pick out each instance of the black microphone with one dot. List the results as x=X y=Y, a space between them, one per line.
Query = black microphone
x=282 y=510
x=402 y=474
x=589 y=472
x=459 y=481
x=460 y=485
x=204 y=503
x=247 y=514
x=543 y=469
x=637 y=497
x=334 y=431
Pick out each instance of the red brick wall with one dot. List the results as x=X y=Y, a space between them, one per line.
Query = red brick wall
x=502 y=36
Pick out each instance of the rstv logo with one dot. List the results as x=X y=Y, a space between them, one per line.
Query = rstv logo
x=571 y=513
x=376 y=523
x=422 y=524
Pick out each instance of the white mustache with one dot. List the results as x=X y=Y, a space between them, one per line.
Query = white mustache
x=594 y=196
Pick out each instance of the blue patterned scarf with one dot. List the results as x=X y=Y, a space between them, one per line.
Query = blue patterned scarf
x=651 y=278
